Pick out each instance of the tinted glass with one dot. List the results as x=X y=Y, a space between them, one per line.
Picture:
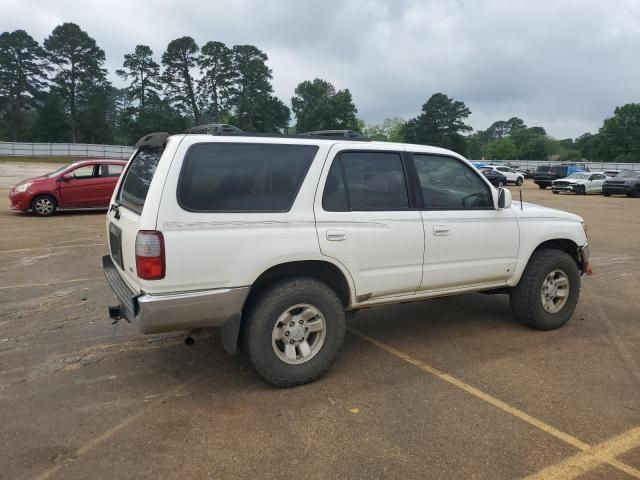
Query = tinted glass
x=375 y=181
x=559 y=170
x=334 y=198
x=449 y=184
x=135 y=186
x=235 y=177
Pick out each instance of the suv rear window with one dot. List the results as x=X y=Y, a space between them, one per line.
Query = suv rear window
x=240 y=177
x=135 y=185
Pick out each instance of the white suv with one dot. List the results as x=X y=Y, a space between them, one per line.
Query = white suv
x=274 y=239
x=512 y=176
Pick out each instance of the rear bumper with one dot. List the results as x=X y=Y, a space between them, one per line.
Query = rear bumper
x=152 y=313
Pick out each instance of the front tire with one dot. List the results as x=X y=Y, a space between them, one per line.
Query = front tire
x=581 y=190
x=548 y=291
x=294 y=331
x=542 y=187
x=44 y=206
x=519 y=181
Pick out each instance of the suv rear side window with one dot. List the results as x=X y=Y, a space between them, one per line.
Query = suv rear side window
x=240 y=177
x=135 y=185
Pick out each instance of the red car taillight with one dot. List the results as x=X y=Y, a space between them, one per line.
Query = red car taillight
x=150 y=255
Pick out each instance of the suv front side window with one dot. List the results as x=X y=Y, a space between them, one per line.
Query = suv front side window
x=449 y=184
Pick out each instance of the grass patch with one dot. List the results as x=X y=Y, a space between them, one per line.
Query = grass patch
x=11 y=158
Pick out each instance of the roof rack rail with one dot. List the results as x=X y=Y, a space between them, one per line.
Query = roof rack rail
x=301 y=136
x=335 y=133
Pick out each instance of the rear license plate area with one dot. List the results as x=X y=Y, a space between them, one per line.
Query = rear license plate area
x=115 y=244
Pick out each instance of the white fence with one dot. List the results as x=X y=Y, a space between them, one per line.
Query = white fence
x=86 y=150
x=593 y=166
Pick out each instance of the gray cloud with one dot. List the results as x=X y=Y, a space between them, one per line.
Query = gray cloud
x=562 y=64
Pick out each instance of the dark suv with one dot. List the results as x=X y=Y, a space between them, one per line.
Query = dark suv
x=627 y=182
x=546 y=174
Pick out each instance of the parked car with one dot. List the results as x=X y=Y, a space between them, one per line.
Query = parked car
x=274 y=239
x=510 y=174
x=496 y=178
x=546 y=174
x=526 y=172
x=480 y=165
x=580 y=183
x=627 y=182
x=611 y=173
x=83 y=184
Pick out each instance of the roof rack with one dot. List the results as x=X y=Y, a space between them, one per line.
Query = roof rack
x=336 y=133
x=301 y=136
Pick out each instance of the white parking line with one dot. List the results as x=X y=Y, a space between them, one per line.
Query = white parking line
x=50 y=284
x=51 y=247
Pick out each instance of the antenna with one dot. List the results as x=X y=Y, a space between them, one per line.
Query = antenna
x=521 y=200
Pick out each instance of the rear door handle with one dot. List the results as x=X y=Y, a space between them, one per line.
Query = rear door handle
x=441 y=230
x=336 y=235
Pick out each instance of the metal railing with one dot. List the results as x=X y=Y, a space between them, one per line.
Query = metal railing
x=593 y=166
x=84 y=150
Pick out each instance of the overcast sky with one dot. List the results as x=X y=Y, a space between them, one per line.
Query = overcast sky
x=561 y=64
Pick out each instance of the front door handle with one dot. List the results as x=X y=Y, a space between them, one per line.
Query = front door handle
x=441 y=230
x=336 y=235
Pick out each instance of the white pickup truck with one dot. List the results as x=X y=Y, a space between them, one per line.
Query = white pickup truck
x=274 y=239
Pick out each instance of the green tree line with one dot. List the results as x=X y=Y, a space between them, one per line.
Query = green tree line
x=58 y=91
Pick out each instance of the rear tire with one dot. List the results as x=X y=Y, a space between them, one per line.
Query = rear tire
x=519 y=181
x=548 y=291
x=542 y=187
x=580 y=190
x=44 y=206
x=605 y=193
x=294 y=331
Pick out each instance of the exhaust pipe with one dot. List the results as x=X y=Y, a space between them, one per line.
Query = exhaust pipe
x=197 y=333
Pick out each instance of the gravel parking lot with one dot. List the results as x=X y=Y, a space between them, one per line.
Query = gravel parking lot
x=447 y=388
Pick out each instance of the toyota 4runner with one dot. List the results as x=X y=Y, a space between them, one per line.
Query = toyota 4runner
x=276 y=239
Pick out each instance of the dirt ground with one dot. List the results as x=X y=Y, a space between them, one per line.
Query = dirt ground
x=448 y=388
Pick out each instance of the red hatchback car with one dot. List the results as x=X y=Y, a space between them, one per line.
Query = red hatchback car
x=83 y=184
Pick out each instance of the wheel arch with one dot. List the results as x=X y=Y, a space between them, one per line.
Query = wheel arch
x=323 y=270
x=563 y=244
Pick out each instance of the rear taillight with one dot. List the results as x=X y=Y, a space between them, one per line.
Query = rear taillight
x=150 y=255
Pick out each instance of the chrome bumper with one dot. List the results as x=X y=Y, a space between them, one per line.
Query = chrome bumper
x=175 y=311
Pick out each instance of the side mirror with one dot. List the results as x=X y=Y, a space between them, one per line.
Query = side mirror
x=66 y=177
x=504 y=198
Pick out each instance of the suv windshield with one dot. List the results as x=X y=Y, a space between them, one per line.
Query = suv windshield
x=628 y=174
x=135 y=185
